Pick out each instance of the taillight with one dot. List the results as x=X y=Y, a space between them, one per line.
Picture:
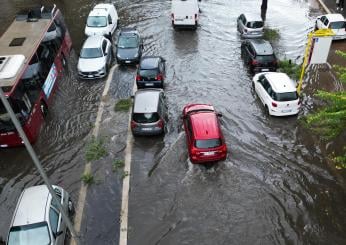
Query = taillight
x=274 y=104
x=254 y=62
x=138 y=78
x=133 y=124
x=159 y=77
x=161 y=123
x=195 y=152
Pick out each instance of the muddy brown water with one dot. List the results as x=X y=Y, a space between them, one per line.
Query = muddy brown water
x=275 y=187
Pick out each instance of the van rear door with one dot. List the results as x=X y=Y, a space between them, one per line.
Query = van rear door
x=185 y=12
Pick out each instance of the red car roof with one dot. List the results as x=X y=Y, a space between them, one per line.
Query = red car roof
x=205 y=125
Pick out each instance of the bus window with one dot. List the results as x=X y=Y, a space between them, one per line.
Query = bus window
x=33 y=69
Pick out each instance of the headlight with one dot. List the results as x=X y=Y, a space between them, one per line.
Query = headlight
x=101 y=70
x=136 y=55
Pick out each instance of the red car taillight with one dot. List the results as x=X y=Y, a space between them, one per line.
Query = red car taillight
x=138 y=78
x=160 y=123
x=274 y=104
x=254 y=62
x=133 y=124
x=159 y=77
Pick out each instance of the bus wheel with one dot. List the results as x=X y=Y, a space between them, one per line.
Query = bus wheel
x=44 y=109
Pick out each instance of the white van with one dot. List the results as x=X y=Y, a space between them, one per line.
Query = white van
x=185 y=13
x=102 y=20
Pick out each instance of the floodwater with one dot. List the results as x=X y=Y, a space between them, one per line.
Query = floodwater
x=276 y=187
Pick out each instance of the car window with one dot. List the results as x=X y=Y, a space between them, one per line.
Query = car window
x=265 y=58
x=322 y=19
x=289 y=96
x=97 y=21
x=255 y=24
x=90 y=53
x=337 y=25
x=209 y=143
x=53 y=219
x=326 y=22
x=58 y=194
x=126 y=41
x=261 y=79
x=29 y=234
x=265 y=84
x=148 y=73
x=145 y=117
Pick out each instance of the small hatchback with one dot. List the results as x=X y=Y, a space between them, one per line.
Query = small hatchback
x=250 y=26
x=336 y=22
x=102 y=20
x=149 y=112
x=204 y=137
x=278 y=93
x=37 y=219
x=95 y=58
x=129 y=46
x=151 y=72
x=258 y=54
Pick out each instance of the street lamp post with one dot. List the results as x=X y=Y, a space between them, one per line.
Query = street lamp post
x=38 y=165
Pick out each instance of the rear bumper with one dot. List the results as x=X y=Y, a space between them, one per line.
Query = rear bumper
x=263 y=68
x=151 y=132
x=127 y=61
x=149 y=84
x=12 y=139
x=339 y=37
x=92 y=76
x=280 y=113
x=249 y=35
x=208 y=159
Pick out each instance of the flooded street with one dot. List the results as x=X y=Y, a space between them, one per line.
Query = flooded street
x=275 y=187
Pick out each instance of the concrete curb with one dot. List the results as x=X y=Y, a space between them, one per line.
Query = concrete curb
x=324 y=6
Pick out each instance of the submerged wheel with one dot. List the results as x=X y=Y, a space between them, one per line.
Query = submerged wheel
x=71 y=209
x=44 y=109
x=267 y=110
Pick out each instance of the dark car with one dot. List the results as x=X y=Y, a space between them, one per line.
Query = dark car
x=258 y=54
x=151 y=72
x=129 y=46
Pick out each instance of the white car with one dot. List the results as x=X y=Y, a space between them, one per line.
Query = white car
x=95 y=58
x=37 y=219
x=336 y=22
x=185 y=13
x=277 y=92
x=102 y=20
x=250 y=26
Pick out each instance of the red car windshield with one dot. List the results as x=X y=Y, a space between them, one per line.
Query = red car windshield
x=209 y=143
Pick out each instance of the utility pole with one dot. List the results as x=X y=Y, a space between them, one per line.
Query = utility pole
x=264 y=9
x=38 y=165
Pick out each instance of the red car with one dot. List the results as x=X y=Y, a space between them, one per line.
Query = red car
x=203 y=133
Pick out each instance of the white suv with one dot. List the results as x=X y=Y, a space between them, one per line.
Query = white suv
x=277 y=92
x=102 y=20
x=37 y=219
x=336 y=22
x=95 y=58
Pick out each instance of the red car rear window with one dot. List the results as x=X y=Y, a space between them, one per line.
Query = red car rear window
x=210 y=143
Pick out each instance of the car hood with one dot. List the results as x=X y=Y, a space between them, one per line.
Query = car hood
x=87 y=65
x=127 y=53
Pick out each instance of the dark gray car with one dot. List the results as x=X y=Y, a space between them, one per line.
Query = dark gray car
x=129 y=46
x=149 y=112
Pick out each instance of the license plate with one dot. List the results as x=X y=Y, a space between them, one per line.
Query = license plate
x=179 y=19
x=285 y=111
x=127 y=61
x=147 y=129
x=264 y=69
x=209 y=153
x=149 y=84
x=90 y=76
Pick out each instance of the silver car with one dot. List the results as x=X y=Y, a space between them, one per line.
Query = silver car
x=250 y=26
x=37 y=219
x=149 y=113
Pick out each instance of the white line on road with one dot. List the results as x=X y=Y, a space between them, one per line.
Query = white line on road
x=87 y=169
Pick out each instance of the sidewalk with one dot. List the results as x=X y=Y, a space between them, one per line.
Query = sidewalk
x=330 y=6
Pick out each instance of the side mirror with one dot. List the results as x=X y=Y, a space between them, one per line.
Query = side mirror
x=219 y=114
x=58 y=233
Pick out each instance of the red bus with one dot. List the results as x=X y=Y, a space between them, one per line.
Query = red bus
x=33 y=53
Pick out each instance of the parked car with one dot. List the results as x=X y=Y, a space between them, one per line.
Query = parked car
x=151 y=72
x=250 y=26
x=185 y=13
x=336 y=22
x=204 y=137
x=102 y=20
x=95 y=58
x=278 y=93
x=258 y=54
x=37 y=220
x=149 y=112
x=129 y=46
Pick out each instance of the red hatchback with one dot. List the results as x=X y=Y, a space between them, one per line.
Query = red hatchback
x=203 y=134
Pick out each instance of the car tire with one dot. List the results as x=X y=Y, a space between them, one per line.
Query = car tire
x=44 y=109
x=70 y=206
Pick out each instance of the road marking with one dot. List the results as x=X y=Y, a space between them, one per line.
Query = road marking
x=87 y=169
x=126 y=181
